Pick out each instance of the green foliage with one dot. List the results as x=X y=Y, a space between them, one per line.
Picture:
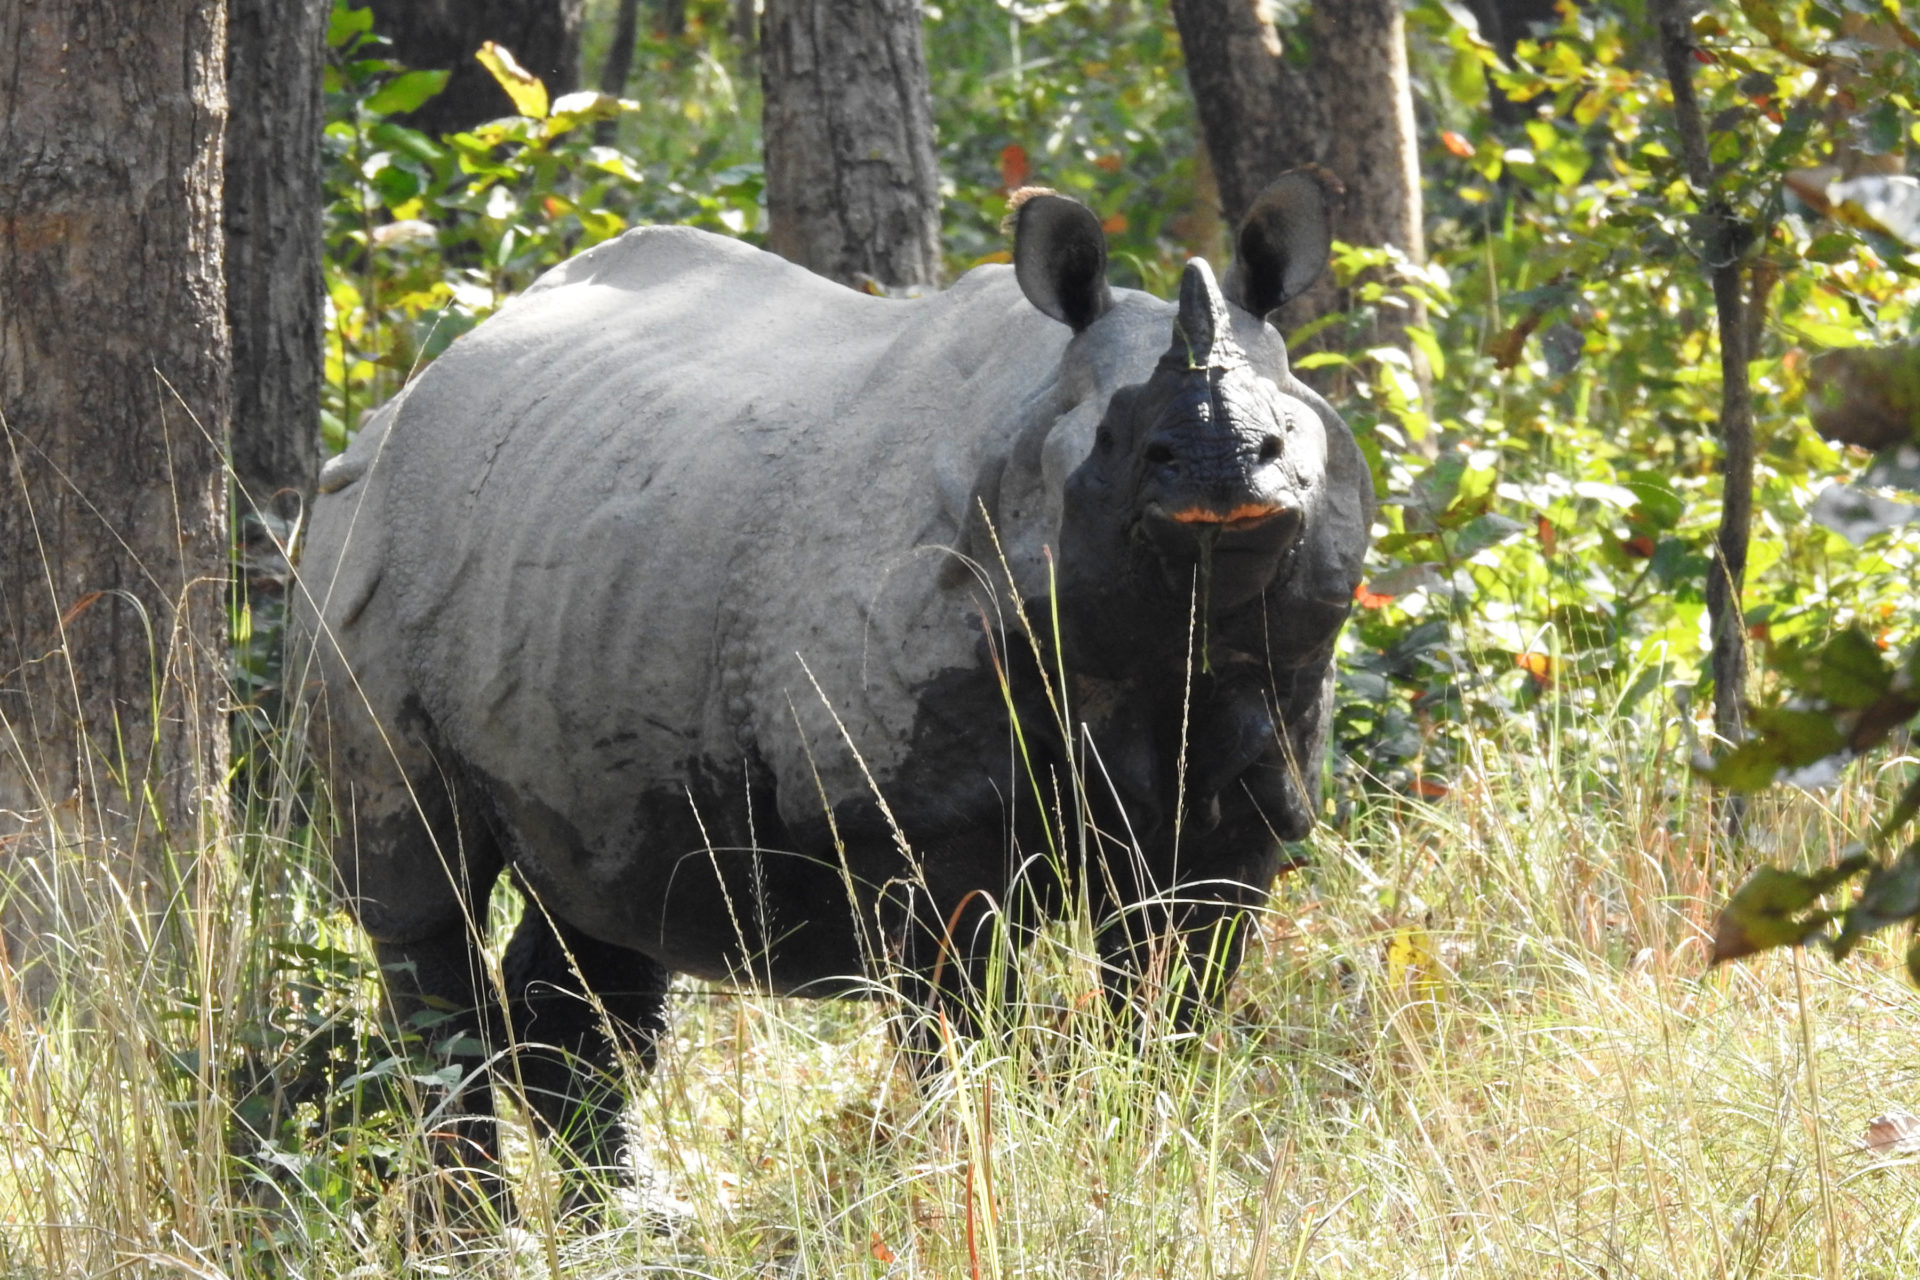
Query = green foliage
x=1550 y=529
x=427 y=236
x=1087 y=98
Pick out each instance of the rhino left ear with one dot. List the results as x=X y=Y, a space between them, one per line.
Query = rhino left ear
x=1283 y=242
x=1060 y=258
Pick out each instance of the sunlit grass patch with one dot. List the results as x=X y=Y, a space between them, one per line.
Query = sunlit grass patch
x=1477 y=1038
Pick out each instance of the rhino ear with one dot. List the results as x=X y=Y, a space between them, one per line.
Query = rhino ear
x=1283 y=241
x=1060 y=258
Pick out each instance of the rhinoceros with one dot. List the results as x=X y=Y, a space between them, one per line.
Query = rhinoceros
x=772 y=632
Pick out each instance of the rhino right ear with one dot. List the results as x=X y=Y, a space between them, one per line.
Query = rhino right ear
x=1283 y=242
x=1060 y=258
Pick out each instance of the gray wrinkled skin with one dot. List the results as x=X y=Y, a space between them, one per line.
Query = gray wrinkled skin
x=652 y=583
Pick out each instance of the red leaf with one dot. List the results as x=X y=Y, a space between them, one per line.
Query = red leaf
x=1537 y=665
x=1115 y=225
x=1549 y=536
x=1456 y=144
x=879 y=1249
x=1639 y=546
x=1702 y=56
x=1369 y=600
x=1429 y=788
x=1013 y=166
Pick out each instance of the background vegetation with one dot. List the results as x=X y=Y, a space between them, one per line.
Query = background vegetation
x=1480 y=1037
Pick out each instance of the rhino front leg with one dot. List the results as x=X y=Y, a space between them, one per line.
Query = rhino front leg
x=575 y=1006
x=1169 y=955
x=953 y=943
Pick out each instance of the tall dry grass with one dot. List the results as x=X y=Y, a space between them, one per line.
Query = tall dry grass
x=1478 y=1038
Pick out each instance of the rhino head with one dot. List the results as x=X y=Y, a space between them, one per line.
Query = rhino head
x=1207 y=476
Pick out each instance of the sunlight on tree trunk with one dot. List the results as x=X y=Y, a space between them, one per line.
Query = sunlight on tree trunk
x=852 y=187
x=113 y=417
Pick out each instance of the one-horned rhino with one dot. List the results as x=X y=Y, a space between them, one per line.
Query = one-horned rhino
x=768 y=631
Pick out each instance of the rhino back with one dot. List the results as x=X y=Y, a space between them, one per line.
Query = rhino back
x=681 y=496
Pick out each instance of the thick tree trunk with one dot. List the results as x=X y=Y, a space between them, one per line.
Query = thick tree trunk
x=1351 y=112
x=114 y=381
x=1258 y=115
x=442 y=35
x=275 y=50
x=1360 y=69
x=852 y=188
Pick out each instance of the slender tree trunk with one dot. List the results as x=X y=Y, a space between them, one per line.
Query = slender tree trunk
x=275 y=50
x=114 y=383
x=1721 y=236
x=436 y=35
x=619 y=64
x=852 y=188
x=746 y=34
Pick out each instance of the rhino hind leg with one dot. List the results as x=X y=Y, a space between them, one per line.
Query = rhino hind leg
x=576 y=1009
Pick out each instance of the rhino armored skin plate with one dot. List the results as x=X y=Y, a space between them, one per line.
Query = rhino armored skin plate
x=718 y=603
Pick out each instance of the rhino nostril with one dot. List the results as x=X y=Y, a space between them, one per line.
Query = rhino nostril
x=1270 y=449
x=1159 y=455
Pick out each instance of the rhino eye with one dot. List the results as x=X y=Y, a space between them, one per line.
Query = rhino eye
x=1103 y=440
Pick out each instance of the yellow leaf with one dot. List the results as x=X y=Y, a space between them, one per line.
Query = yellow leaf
x=1413 y=962
x=528 y=94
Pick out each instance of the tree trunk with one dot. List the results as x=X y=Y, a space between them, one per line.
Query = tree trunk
x=442 y=35
x=1350 y=111
x=275 y=50
x=619 y=64
x=1258 y=115
x=852 y=188
x=1360 y=68
x=114 y=381
x=745 y=29
x=1721 y=232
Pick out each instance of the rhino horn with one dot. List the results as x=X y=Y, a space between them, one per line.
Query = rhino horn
x=1203 y=328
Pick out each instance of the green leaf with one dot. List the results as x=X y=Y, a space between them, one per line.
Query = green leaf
x=1766 y=911
x=1485 y=531
x=528 y=94
x=1852 y=671
x=1789 y=738
x=1890 y=896
x=406 y=91
x=345 y=24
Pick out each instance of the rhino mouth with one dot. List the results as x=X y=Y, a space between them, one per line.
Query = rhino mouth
x=1246 y=516
x=1233 y=552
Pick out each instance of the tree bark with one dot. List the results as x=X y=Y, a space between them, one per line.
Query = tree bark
x=1258 y=115
x=114 y=382
x=619 y=64
x=745 y=29
x=852 y=188
x=1721 y=243
x=1350 y=112
x=443 y=35
x=275 y=50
